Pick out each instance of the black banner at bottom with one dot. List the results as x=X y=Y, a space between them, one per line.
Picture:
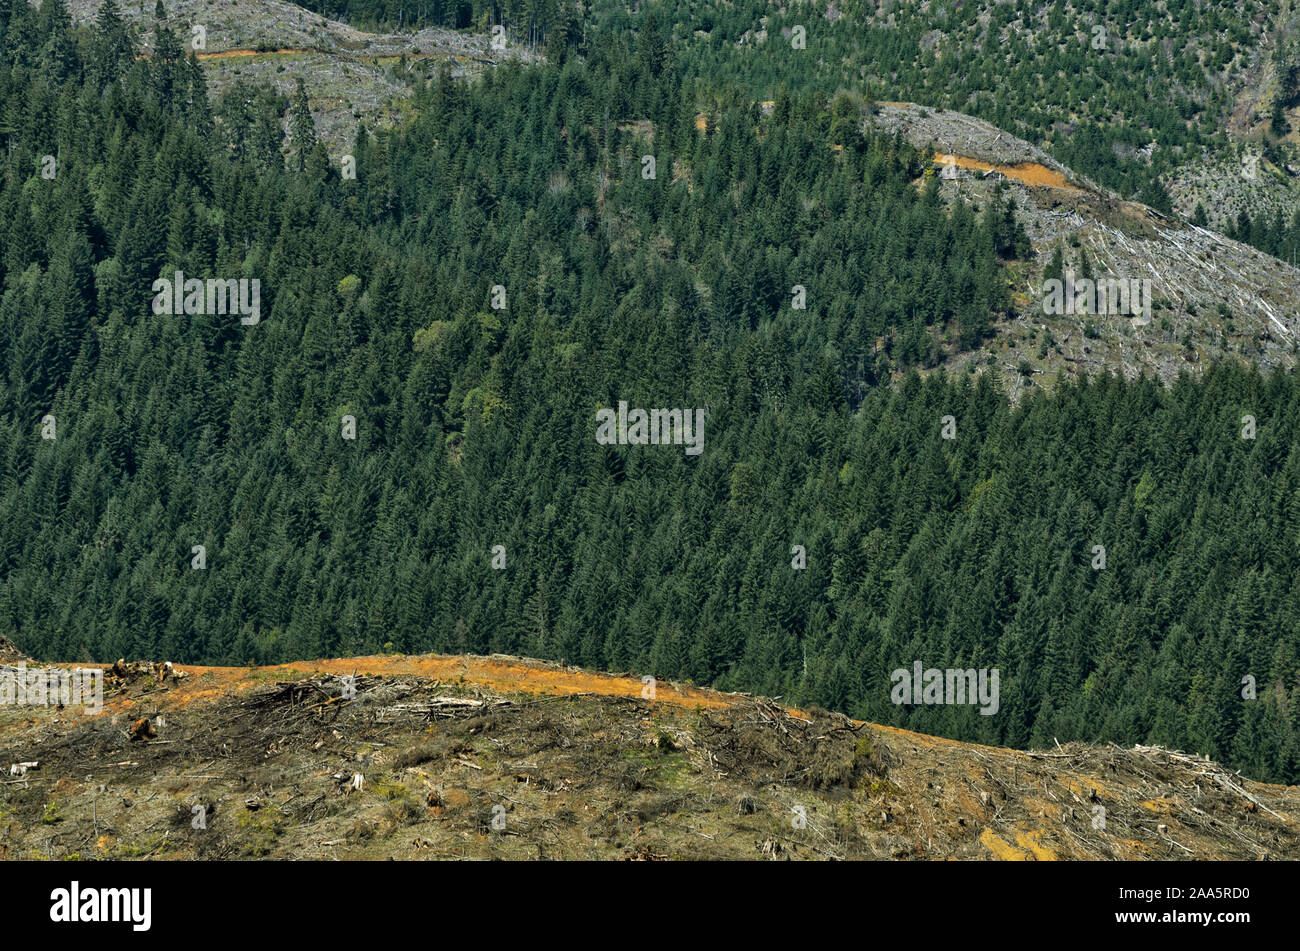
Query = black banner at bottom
x=140 y=901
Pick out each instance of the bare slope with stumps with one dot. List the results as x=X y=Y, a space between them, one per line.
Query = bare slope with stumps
x=456 y=757
x=351 y=75
x=1214 y=298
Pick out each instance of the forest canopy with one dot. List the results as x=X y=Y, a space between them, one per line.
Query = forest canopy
x=131 y=439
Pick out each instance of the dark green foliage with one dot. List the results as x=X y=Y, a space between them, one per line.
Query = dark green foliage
x=1277 y=237
x=302 y=127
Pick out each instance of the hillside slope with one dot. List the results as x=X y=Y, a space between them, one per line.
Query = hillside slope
x=351 y=75
x=497 y=757
x=1140 y=96
x=1213 y=298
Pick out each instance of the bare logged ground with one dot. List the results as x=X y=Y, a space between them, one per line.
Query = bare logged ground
x=467 y=757
x=1213 y=299
x=273 y=24
x=350 y=75
x=340 y=93
x=965 y=135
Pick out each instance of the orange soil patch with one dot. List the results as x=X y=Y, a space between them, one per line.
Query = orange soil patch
x=1157 y=805
x=1028 y=848
x=1083 y=786
x=1002 y=850
x=503 y=676
x=1135 y=848
x=1049 y=810
x=1027 y=173
x=1033 y=842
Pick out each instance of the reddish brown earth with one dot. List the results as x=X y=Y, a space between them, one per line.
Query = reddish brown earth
x=576 y=764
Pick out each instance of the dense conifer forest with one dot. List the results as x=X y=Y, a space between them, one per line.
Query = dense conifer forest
x=507 y=264
x=1124 y=92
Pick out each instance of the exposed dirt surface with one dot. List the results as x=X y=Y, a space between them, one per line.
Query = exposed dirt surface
x=1026 y=173
x=1212 y=298
x=496 y=757
x=977 y=144
x=350 y=75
